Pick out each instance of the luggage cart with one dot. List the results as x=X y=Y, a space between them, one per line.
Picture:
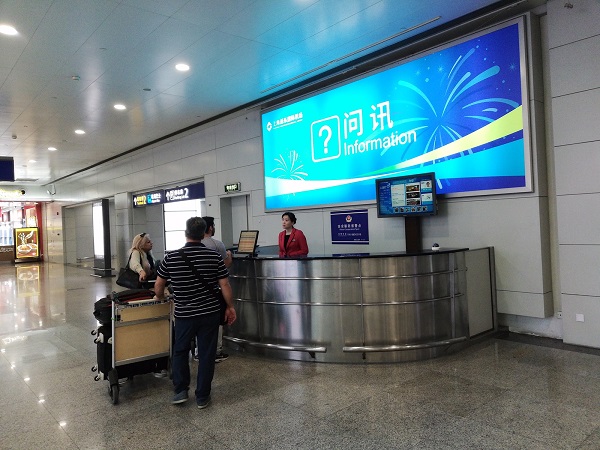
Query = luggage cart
x=138 y=341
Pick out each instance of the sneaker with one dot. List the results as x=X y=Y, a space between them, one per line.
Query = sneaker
x=203 y=404
x=180 y=397
x=161 y=374
x=221 y=357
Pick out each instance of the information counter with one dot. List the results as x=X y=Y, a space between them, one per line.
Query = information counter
x=361 y=307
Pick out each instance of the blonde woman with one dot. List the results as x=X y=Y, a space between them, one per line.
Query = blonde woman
x=141 y=260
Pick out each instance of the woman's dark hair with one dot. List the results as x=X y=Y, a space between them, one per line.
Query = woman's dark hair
x=195 y=228
x=291 y=215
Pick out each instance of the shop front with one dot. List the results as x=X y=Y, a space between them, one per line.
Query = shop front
x=20 y=234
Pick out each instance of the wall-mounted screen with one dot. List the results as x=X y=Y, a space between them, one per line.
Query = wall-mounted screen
x=459 y=111
x=410 y=195
x=7 y=168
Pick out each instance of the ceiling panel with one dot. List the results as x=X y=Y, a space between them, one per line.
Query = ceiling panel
x=239 y=51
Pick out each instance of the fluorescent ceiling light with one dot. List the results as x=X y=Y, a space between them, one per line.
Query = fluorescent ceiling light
x=7 y=29
x=182 y=67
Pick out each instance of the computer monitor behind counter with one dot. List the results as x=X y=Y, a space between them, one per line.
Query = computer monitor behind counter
x=247 y=243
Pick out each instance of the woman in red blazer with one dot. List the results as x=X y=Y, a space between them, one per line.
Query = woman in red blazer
x=291 y=240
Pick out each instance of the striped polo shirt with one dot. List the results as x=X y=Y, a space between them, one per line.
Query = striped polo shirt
x=190 y=296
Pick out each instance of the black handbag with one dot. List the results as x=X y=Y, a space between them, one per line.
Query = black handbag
x=216 y=292
x=128 y=278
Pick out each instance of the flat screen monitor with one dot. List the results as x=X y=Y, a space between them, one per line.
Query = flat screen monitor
x=247 y=242
x=411 y=195
x=7 y=168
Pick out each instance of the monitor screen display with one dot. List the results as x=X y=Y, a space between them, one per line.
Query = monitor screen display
x=7 y=168
x=460 y=110
x=411 y=195
x=247 y=242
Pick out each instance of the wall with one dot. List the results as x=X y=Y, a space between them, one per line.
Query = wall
x=54 y=245
x=535 y=235
x=574 y=60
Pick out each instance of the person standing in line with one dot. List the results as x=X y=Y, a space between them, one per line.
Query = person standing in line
x=141 y=260
x=291 y=240
x=195 y=272
x=214 y=244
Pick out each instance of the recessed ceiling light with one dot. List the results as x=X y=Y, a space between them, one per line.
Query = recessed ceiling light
x=52 y=149
x=182 y=67
x=120 y=107
x=7 y=29
x=32 y=161
x=79 y=132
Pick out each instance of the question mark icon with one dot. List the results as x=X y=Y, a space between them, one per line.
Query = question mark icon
x=326 y=128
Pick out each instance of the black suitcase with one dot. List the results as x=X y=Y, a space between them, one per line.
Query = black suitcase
x=103 y=306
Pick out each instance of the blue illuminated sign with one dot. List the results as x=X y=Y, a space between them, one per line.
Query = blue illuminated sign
x=459 y=112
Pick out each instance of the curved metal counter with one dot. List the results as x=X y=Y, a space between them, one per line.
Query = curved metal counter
x=350 y=308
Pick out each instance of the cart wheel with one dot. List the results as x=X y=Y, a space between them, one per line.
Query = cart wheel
x=114 y=394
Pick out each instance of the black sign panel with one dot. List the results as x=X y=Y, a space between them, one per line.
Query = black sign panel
x=233 y=187
x=181 y=193
x=150 y=198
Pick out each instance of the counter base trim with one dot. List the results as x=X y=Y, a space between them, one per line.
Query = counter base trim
x=396 y=348
x=297 y=348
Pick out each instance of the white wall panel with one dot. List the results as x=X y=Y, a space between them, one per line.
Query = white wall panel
x=576 y=118
x=575 y=68
x=199 y=142
x=525 y=303
x=240 y=154
x=538 y=149
x=166 y=153
x=249 y=176
x=210 y=185
x=137 y=162
x=569 y=25
x=579 y=219
x=581 y=333
x=580 y=270
x=167 y=173
x=198 y=165
x=577 y=168
x=510 y=225
x=240 y=128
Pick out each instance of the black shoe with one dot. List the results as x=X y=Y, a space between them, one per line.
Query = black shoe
x=221 y=357
x=203 y=404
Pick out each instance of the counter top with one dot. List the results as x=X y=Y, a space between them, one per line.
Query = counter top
x=352 y=255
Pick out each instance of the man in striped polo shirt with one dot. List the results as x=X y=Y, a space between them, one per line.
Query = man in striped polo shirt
x=196 y=308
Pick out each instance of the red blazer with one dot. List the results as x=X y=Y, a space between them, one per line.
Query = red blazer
x=296 y=245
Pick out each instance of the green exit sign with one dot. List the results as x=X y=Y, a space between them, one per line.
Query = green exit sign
x=233 y=187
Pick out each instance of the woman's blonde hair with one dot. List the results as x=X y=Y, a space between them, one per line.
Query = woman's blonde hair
x=138 y=242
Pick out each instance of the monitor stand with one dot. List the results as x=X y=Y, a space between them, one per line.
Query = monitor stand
x=412 y=234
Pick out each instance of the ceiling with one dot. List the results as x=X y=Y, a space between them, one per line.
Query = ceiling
x=73 y=60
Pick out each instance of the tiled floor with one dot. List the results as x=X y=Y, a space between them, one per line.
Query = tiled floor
x=497 y=394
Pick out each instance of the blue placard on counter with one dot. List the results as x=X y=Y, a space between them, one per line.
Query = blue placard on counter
x=350 y=227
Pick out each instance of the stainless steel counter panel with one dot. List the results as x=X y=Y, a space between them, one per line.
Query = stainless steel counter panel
x=373 y=309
